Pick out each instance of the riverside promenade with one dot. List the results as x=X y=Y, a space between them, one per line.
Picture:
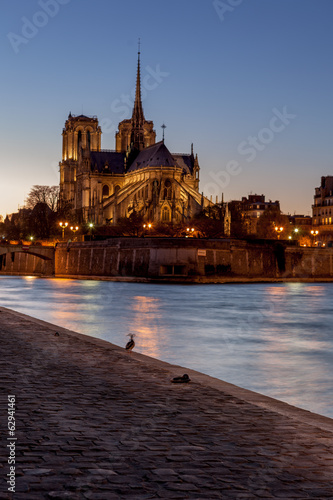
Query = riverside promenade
x=96 y=422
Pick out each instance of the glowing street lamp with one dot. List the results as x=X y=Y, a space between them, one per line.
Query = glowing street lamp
x=63 y=226
x=91 y=226
x=74 y=229
x=145 y=227
x=279 y=231
x=189 y=230
x=314 y=234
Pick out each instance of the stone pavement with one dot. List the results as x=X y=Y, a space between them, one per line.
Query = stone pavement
x=96 y=422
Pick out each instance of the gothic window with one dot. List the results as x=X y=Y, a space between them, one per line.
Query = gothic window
x=167 y=190
x=116 y=189
x=106 y=191
x=88 y=140
x=79 y=139
x=166 y=214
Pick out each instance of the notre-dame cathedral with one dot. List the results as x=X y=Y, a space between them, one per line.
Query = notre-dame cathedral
x=141 y=174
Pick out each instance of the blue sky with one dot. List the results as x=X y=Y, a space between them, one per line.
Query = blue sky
x=249 y=82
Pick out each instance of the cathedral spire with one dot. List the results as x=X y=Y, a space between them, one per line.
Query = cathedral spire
x=138 y=119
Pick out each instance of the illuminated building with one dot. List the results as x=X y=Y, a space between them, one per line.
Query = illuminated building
x=140 y=175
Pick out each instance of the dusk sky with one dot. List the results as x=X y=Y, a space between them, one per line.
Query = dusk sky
x=249 y=82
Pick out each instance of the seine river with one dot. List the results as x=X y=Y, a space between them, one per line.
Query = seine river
x=276 y=339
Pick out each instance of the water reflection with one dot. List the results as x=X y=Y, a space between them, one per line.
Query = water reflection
x=275 y=338
x=147 y=325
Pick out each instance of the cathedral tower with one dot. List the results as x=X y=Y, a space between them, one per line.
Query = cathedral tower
x=79 y=131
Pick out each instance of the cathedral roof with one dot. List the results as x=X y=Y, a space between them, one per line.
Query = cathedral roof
x=109 y=161
x=186 y=162
x=156 y=155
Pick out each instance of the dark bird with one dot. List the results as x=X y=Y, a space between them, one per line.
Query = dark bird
x=56 y=334
x=130 y=344
x=181 y=380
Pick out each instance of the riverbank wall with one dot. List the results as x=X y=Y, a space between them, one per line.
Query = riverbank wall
x=173 y=259
x=192 y=260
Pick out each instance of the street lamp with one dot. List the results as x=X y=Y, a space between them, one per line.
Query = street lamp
x=74 y=229
x=189 y=230
x=146 y=226
x=314 y=234
x=278 y=231
x=90 y=225
x=63 y=226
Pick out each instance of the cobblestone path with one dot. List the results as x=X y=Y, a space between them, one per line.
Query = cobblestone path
x=95 y=422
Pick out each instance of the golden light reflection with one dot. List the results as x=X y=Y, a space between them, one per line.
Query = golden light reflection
x=147 y=329
x=292 y=288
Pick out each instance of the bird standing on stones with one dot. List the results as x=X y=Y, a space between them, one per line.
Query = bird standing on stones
x=130 y=344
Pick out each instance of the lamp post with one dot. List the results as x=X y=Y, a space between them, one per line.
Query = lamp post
x=314 y=234
x=278 y=231
x=63 y=226
x=91 y=226
x=146 y=226
x=74 y=229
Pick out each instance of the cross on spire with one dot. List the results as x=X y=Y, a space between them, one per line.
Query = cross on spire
x=163 y=127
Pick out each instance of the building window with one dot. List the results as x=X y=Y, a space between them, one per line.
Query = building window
x=79 y=139
x=167 y=190
x=166 y=215
x=105 y=191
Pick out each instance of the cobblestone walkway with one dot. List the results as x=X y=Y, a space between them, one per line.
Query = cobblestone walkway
x=96 y=422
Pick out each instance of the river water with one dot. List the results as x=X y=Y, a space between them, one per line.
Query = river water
x=276 y=339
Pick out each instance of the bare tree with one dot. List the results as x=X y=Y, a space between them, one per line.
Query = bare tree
x=43 y=194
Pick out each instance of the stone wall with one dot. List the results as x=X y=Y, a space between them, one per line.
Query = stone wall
x=172 y=259
x=189 y=259
x=34 y=260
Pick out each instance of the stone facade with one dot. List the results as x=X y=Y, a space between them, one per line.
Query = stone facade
x=140 y=175
x=322 y=210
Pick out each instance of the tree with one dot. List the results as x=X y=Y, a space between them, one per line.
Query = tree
x=239 y=221
x=271 y=218
x=43 y=194
x=130 y=226
x=42 y=201
x=210 y=221
x=41 y=221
